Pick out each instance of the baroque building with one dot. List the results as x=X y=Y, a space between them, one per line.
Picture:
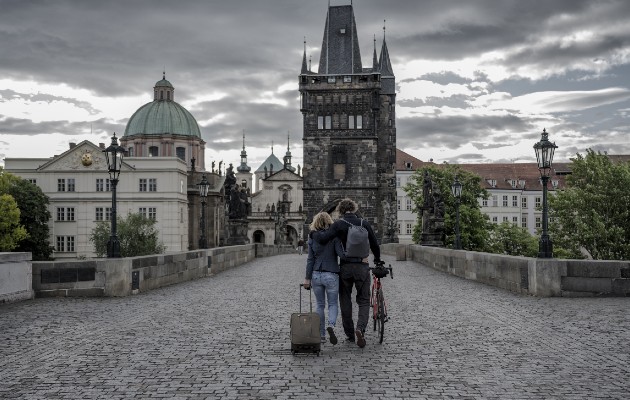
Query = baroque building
x=349 y=127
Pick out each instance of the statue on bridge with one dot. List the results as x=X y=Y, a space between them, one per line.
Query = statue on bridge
x=432 y=213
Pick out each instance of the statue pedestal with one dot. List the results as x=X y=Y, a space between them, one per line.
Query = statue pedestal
x=237 y=232
x=433 y=230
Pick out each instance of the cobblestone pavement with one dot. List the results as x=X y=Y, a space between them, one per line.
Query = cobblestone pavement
x=227 y=336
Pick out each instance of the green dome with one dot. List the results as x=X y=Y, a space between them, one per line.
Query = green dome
x=163 y=82
x=161 y=117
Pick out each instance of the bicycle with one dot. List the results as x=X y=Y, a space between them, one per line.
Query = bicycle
x=377 y=299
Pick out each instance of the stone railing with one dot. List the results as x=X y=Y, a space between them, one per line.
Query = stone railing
x=15 y=277
x=126 y=276
x=534 y=276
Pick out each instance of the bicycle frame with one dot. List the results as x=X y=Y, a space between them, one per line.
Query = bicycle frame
x=378 y=303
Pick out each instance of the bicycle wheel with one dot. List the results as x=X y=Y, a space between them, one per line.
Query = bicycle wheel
x=380 y=300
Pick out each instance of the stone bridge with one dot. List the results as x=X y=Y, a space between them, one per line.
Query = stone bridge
x=227 y=336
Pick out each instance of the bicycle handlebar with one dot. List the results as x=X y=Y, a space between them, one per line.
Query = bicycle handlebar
x=381 y=264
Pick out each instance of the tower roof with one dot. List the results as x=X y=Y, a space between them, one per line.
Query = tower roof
x=272 y=163
x=340 y=46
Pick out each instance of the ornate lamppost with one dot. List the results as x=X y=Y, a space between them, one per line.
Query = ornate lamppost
x=456 y=189
x=203 y=186
x=544 y=156
x=114 y=155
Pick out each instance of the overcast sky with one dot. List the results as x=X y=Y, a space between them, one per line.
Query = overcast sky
x=477 y=81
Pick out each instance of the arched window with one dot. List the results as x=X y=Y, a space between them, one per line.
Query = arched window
x=153 y=151
x=181 y=153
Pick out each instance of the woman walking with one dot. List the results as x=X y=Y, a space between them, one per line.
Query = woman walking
x=322 y=273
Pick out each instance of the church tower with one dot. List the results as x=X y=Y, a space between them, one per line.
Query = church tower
x=349 y=127
x=243 y=171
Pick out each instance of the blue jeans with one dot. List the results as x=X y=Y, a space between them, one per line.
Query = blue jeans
x=326 y=286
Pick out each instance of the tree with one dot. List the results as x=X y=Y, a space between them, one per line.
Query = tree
x=474 y=225
x=136 y=233
x=34 y=214
x=11 y=232
x=510 y=239
x=591 y=216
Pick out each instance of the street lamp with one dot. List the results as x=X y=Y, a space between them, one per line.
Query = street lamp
x=544 y=156
x=203 y=186
x=114 y=156
x=456 y=189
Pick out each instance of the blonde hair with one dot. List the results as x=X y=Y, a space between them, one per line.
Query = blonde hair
x=321 y=221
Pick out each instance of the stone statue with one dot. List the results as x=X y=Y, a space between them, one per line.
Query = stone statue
x=426 y=189
x=220 y=163
x=230 y=178
x=213 y=167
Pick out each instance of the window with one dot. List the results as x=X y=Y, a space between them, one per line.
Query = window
x=523 y=202
x=64 y=243
x=495 y=219
x=60 y=244
x=537 y=202
x=514 y=201
x=69 y=243
x=331 y=79
x=152 y=213
x=181 y=153
x=70 y=214
x=347 y=79
x=130 y=152
x=143 y=185
x=524 y=221
x=554 y=184
x=538 y=222
x=61 y=185
x=339 y=163
x=515 y=220
x=492 y=182
x=32 y=180
x=320 y=122
x=350 y=121
x=484 y=202
x=71 y=185
x=399 y=202
x=98 y=216
x=152 y=185
x=409 y=203
x=495 y=201
x=505 y=219
x=99 y=185
x=328 y=121
x=398 y=181
x=409 y=229
x=153 y=151
x=505 y=201
x=142 y=211
x=108 y=213
x=61 y=214
x=359 y=121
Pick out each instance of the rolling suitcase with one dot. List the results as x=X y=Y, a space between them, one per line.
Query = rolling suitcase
x=305 y=329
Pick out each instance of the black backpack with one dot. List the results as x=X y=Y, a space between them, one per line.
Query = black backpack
x=357 y=242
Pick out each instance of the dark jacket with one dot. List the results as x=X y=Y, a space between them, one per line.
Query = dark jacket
x=323 y=257
x=339 y=229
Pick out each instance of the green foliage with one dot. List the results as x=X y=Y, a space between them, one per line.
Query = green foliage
x=34 y=214
x=507 y=238
x=474 y=225
x=11 y=232
x=592 y=215
x=136 y=233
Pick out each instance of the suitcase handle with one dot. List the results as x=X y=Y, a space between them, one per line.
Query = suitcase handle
x=310 y=297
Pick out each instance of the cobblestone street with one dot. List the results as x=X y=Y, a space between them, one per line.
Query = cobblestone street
x=227 y=336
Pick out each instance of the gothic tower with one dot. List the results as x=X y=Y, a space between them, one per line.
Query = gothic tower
x=349 y=127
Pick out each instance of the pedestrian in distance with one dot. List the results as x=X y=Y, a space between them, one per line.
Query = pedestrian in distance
x=354 y=270
x=322 y=274
x=300 y=246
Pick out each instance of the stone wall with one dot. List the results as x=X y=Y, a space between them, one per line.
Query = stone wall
x=126 y=276
x=15 y=277
x=524 y=275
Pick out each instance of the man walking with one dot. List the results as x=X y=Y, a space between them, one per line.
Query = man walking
x=354 y=271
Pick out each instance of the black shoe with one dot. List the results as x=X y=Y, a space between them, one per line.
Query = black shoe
x=331 y=334
x=350 y=339
x=360 y=338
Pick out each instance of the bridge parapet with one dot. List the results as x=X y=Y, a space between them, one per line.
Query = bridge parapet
x=534 y=276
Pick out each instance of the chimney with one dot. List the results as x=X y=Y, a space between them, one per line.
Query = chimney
x=73 y=145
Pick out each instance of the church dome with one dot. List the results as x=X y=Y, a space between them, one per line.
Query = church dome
x=162 y=116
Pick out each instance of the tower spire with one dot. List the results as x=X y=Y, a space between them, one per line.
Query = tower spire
x=243 y=167
x=304 y=67
x=374 y=58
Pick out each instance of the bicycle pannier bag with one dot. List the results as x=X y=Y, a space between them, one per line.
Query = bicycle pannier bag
x=357 y=243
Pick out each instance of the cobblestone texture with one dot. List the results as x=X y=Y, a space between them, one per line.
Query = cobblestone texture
x=228 y=337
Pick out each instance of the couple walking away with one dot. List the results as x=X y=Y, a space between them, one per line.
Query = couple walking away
x=332 y=280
